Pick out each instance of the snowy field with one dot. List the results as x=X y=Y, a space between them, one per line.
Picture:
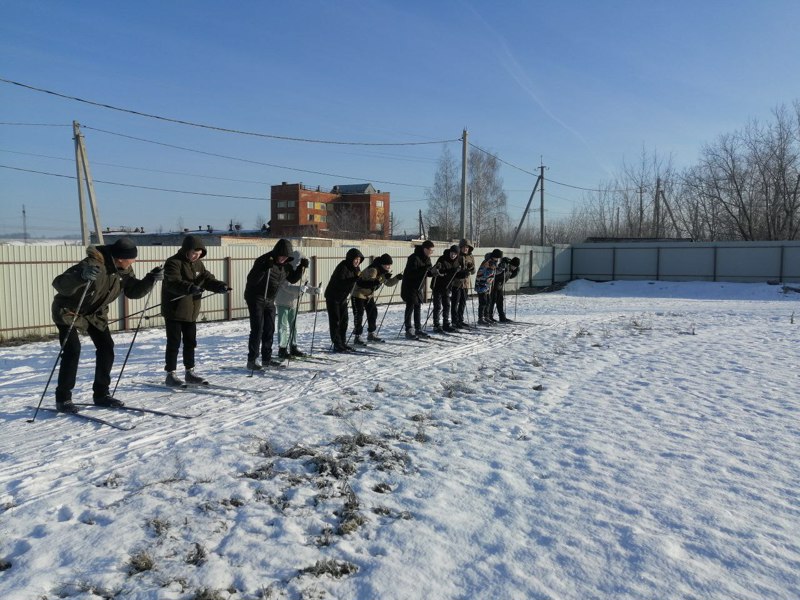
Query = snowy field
x=635 y=440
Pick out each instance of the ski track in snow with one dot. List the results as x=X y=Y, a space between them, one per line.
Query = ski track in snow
x=620 y=445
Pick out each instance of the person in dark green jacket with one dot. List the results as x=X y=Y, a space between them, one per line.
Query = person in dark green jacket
x=185 y=280
x=84 y=292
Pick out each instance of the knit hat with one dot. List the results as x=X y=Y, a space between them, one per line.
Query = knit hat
x=515 y=261
x=497 y=253
x=123 y=248
x=454 y=248
x=427 y=244
x=384 y=259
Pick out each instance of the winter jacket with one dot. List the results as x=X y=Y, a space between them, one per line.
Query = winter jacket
x=344 y=278
x=505 y=272
x=417 y=268
x=371 y=279
x=466 y=263
x=448 y=271
x=179 y=276
x=484 y=280
x=110 y=283
x=266 y=269
x=288 y=293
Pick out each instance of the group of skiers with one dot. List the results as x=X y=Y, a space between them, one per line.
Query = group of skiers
x=272 y=292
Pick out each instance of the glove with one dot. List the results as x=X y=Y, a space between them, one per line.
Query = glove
x=195 y=290
x=462 y=274
x=157 y=274
x=399 y=276
x=304 y=263
x=505 y=260
x=221 y=287
x=373 y=285
x=435 y=273
x=89 y=272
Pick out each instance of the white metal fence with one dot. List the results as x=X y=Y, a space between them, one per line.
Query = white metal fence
x=26 y=272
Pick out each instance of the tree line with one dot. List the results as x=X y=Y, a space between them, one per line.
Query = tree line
x=745 y=186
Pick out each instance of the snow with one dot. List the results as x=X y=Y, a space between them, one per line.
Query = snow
x=626 y=440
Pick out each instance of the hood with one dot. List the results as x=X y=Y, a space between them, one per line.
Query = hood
x=193 y=242
x=468 y=244
x=283 y=247
x=353 y=253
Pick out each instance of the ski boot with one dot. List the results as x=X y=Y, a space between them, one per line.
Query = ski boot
x=194 y=379
x=357 y=341
x=295 y=351
x=372 y=337
x=172 y=380
x=108 y=401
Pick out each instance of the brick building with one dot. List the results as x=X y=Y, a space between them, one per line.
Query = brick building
x=356 y=211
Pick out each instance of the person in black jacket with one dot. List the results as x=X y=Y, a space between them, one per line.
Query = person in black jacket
x=83 y=293
x=508 y=270
x=447 y=267
x=269 y=271
x=339 y=288
x=185 y=280
x=418 y=267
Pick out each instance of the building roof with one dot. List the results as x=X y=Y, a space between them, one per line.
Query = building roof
x=354 y=188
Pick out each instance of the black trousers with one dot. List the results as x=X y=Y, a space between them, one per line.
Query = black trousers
x=498 y=300
x=338 y=321
x=178 y=331
x=104 y=360
x=363 y=306
x=262 y=329
x=441 y=306
x=458 y=305
x=413 y=310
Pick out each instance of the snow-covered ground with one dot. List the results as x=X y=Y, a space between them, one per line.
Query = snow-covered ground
x=625 y=440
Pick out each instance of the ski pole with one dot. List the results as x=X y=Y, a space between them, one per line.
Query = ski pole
x=135 y=333
x=430 y=304
x=314 y=329
x=394 y=289
x=293 y=328
x=61 y=349
x=471 y=299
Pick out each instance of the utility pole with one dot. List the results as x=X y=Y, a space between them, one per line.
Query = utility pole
x=463 y=228
x=24 y=226
x=85 y=174
x=541 y=204
x=422 y=235
x=657 y=208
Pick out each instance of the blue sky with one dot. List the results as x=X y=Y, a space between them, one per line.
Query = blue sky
x=581 y=85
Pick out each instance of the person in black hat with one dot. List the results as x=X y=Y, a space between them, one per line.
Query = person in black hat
x=363 y=298
x=484 y=284
x=418 y=267
x=265 y=278
x=508 y=270
x=340 y=286
x=185 y=280
x=84 y=292
x=448 y=267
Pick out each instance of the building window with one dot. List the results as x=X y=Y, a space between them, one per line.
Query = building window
x=378 y=203
x=310 y=218
x=281 y=203
x=378 y=226
x=284 y=216
x=310 y=205
x=322 y=218
x=290 y=204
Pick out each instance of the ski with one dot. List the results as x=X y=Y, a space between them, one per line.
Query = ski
x=195 y=389
x=140 y=409
x=93 y=419
x=439 y=337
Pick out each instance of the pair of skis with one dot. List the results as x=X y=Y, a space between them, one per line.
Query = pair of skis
x=116 y=425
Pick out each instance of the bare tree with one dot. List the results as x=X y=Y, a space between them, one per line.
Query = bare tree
x=485 y=191
x=444 y=198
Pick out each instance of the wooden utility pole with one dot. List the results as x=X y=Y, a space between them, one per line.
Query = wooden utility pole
x=84 y=174
x=541 y=205
x=463 y=228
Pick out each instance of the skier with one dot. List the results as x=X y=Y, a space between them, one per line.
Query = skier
x=185 y=279
x=466 y=262
x=508 y=270
x=484 y=282
x=286 y=301
x=377 y=274
x=83 y=293
x=418 y=267
x=269 y=271
x=340 y=286
x=448 y=268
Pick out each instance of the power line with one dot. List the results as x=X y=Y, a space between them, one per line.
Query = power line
x=502 y=161
x=141 y=187
x=216 y=128
x=246 y=160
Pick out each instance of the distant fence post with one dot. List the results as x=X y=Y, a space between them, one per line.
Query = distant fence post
x=314 y=297
x=553 y=267
x=530 y=267
x=228 y=262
